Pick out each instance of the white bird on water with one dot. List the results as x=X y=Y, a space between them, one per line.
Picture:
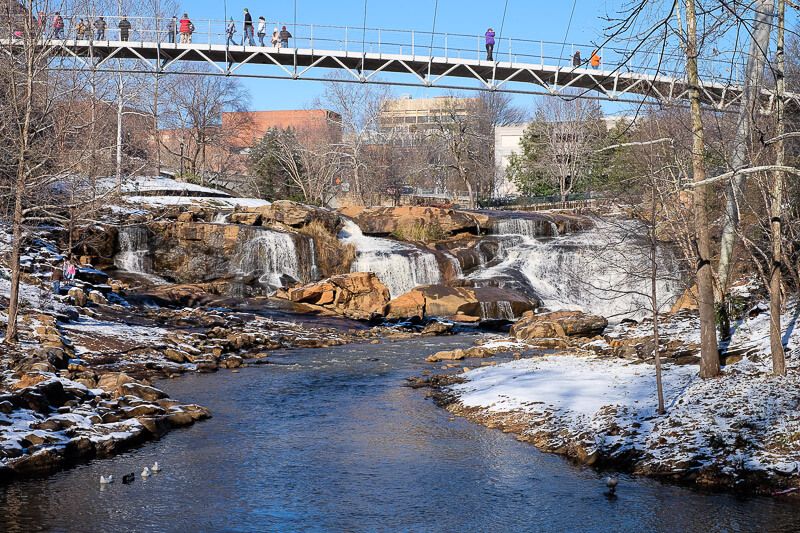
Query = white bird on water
x=146 y=472
x=611 y=483
x=106 y=480
x=155 y=468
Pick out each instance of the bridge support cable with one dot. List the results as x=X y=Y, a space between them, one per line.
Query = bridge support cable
x=499 y=40
x=433 y=34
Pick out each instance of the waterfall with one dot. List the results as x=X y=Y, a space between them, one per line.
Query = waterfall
x=604 y=270
x=528 y=227
x=494 y=310
x=221 y=218
x=400 y=266
x=134 y=250
x=269 y=256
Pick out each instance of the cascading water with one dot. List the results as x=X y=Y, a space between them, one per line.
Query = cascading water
x=604 y=270
x=401 y=267
x=527 y=227
x=134 y=250
x=269 y=256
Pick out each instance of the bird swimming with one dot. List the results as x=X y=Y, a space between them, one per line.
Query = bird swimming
x=155 y=468
x=106 y=480
x=128 y=478
x=611 y=483
x=145 y=472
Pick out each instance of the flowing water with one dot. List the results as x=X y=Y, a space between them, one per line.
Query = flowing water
x=603 y=270
x=269 y=256
x=400 y=266
x=134 y=250
x=330 y=440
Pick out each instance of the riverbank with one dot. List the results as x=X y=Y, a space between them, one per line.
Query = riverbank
x=739 y=432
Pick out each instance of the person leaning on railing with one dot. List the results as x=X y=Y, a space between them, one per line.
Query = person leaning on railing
x=124 y=28
x=100 y=28
x=172 y=29
x=285 y=36
x=187 y=28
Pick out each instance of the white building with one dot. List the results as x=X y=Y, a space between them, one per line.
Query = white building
x=507 y=141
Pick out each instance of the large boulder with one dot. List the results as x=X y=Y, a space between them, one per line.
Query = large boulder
x=289 y=213
x=388 y=220
x=558 y=324
x=356 y=295
x=444 y=301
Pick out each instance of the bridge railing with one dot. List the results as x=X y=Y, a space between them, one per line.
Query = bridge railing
x=722 y=66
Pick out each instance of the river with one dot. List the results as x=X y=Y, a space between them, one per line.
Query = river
x=331 y=440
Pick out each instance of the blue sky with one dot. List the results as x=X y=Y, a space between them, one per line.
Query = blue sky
x=528 y=19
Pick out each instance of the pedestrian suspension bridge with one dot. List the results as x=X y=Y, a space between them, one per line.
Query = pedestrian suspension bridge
x=398 y=57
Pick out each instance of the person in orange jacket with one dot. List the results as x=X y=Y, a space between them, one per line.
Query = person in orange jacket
x=594 y=60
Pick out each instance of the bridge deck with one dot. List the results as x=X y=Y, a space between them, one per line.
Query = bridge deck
x=442 y=71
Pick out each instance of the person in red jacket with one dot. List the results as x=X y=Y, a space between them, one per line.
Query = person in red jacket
x=58 y=26
x=186 y=28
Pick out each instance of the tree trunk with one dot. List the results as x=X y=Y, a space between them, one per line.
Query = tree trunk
x=654 y=299
x=759 y=46
x=709 y=353
x=776 y=201
x=120 y=110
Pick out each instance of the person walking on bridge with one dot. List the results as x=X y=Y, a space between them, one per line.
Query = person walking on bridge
x=186 y=28
x=248 y=28
x=80 y=30
x=594 y=60
x=230 y=31
x=262 y=30
x=100 y=28
x=276 y=38
x=489 y=44
x=58 y=26
x=576 y=59
x=285 y=36
x=124 y=28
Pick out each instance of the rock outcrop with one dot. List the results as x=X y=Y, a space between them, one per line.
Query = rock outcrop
x=388 y=220
x=558 y=324
x=459 y=303
x=289 y=213
x=358 y=295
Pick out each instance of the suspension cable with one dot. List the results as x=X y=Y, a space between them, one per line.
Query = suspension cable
x=569 y=26
x=502 y=25
x=433 y=32
x=364 y=38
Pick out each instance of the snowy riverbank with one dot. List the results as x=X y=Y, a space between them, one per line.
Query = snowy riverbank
x=739 y=431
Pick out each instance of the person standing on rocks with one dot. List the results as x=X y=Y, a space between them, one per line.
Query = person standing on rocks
x=56 y=277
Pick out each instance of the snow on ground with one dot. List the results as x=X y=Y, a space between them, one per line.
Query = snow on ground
x=221 y=203
x=90 y=335
x=136 y=184
x=746 y=420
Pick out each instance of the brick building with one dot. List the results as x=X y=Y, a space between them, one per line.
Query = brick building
x=247 y=127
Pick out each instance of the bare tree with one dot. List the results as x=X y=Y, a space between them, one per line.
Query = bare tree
x=191 y=118
x=558 y=147
x=461 y=145
x=357 y=112
x=709 y=352
x=306 y=163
